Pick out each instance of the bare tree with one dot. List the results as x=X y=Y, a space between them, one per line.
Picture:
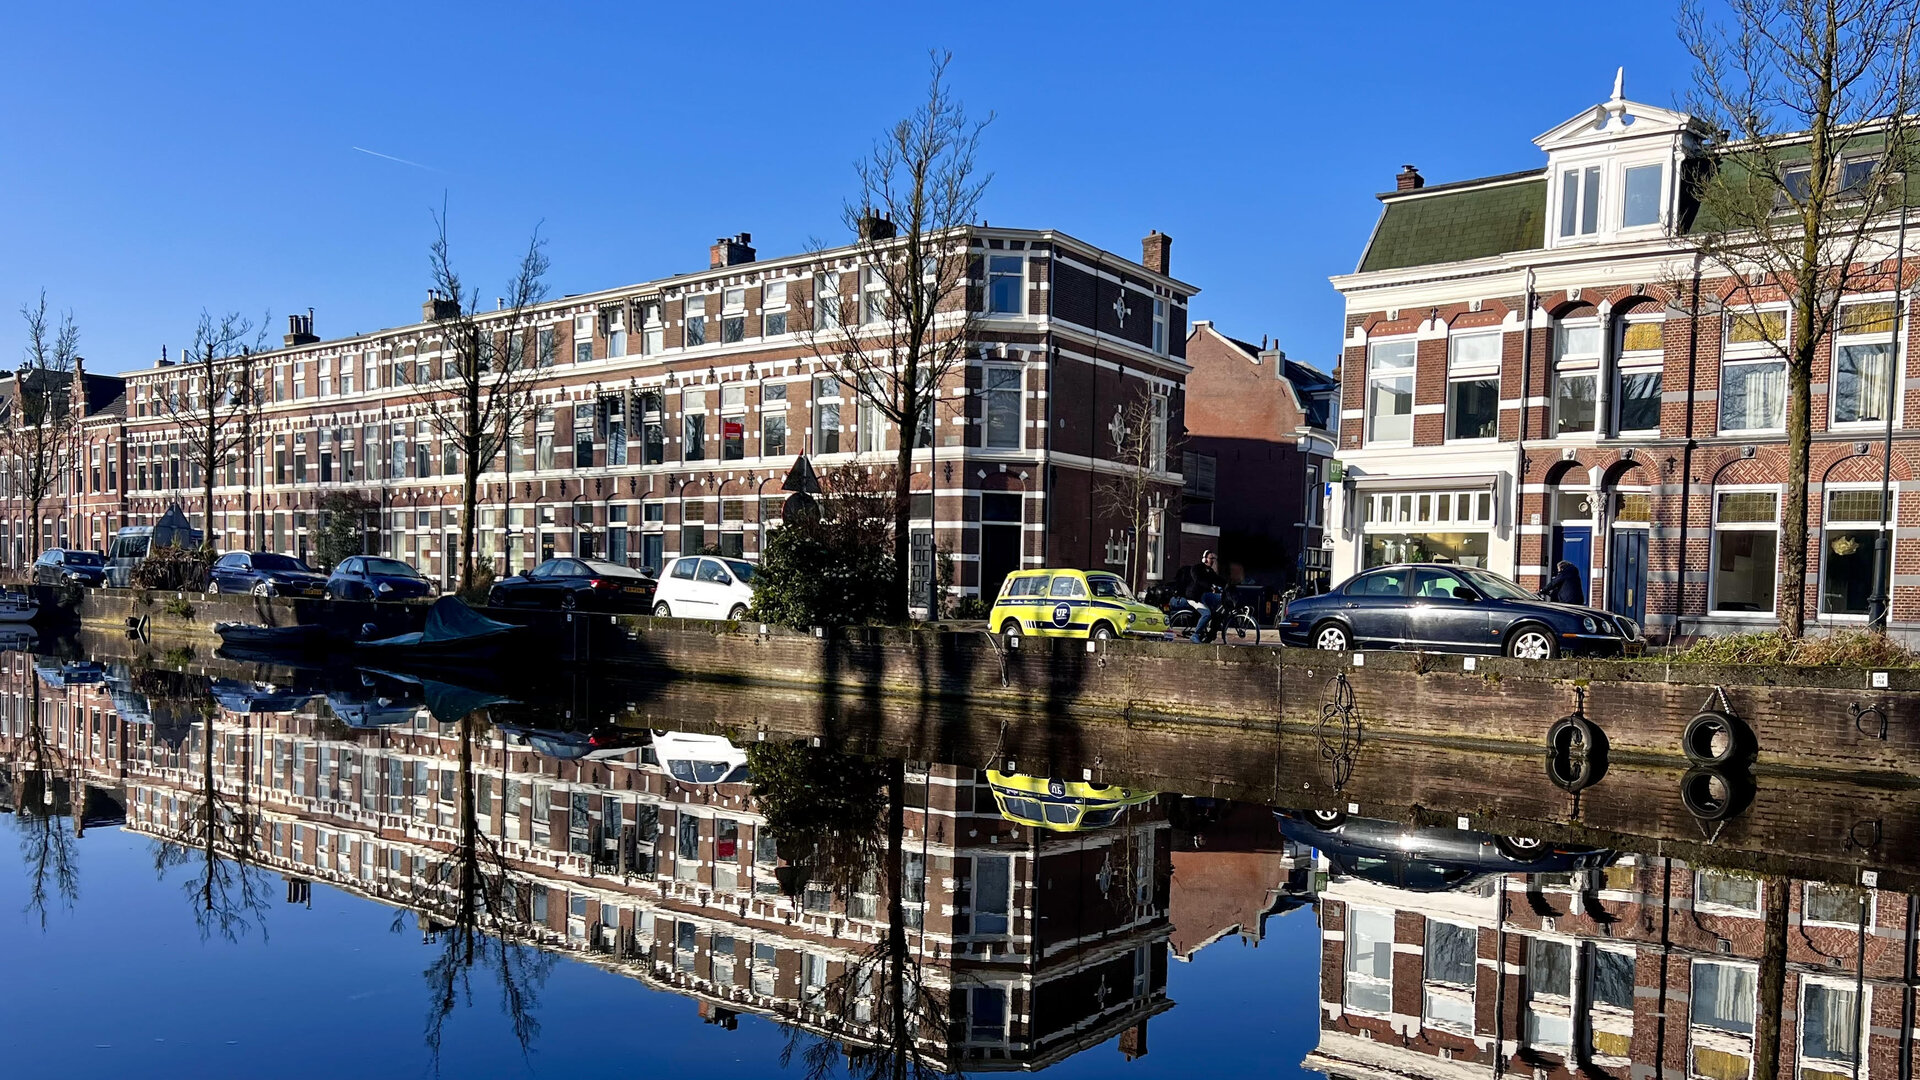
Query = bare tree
x=1811 y=102
x=46 y=846
x=906 y=328
x=38 y=428
x=217 y=836
x=215 y=409
x=1134 y=494
x=485 y=385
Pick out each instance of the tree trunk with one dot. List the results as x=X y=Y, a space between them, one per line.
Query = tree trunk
x=209 y=448
x=896 y=970
x=1770 y=990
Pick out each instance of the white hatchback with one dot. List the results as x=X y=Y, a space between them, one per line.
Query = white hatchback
x=704 y=587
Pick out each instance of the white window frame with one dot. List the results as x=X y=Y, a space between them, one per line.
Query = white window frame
x=1862 y=1012
x=1717 y=528
x=1752 y=354
x=1829 y=523
x=1552 y=1006
x=1897 y=339
x=1635 y=362
x=1349 y=974
x=773 y=301
x=1589 y=203
x=1467 y=370
x=1602 y=1016
x=1873 y=906
x=1160 y=308
x=827 y=313
x=987 y=392
x=653 y=329
x=1581 y=365
x=1454 y=993
x=1732 y=911
x=1713 y=1038
x=1375 y=376
x=1020 y=285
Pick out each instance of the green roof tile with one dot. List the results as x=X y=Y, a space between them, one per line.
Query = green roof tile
x=1472 y=223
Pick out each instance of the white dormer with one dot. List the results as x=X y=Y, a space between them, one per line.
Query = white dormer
x=1614 y=171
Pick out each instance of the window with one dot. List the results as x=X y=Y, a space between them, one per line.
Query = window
x=1390 y=391
x=1796 y=184
x=1005 y=276
x=1753 y=374
x=873 y=295
x=615 y=321
x=826 y=415
x=693 y=436
x=1839 y=904
x=992 y=893
x=1715 y=889
x=773 y=420
x=1369 y=960
x=1851 y=525
x=582 y=338
x=733 y=314
x=696 y=316
x=1576 y=375
x=1723 y=996
x=1854 y=174
x=544 y=348
x=1745 y=542
x=1549 y=993
x=1642 y=351
x=826 y=302
x=773 y=308
x=733 y=437
x=1003 y=408
x=1610 y=1000
x=1160 y=325
x=1451 y=962
x=1580 y=201
x=1863 y=362
x=653 y=329
x=987 y=1014
x=1829 y=1028
x=1642 y=203
x=1473 y=385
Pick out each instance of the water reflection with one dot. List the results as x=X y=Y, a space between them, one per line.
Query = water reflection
x=905 y=917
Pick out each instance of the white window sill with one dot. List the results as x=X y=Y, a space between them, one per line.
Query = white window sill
x=1750 y=433
x=1473 y=442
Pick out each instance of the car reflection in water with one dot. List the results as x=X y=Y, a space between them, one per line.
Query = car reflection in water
x=1428 y=859
x=604 y=743
x=700 y=759
x=1059 y=805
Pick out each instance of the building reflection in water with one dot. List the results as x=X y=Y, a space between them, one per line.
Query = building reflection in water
x=511 y=842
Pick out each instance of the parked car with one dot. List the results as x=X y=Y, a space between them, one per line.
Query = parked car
x=1073 y=603
x=1446 y=607
x=1428 y=859
x=58 y=566
x=264 y=573
x=133 y=543
x=705 y=587
x=700 y=759
x=369 y=577
x=575 y=584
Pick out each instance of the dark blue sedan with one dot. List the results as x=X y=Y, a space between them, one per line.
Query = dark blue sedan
x=263 y=573
x=369 y=577
x=1445 y=607
x=1428 y=859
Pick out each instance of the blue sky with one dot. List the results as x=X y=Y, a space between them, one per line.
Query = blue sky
x=158 y=159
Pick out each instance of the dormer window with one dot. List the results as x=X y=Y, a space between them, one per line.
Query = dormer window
x=1580 y=201
x=1854 y=174
x=1642 y=203
x=1796 y=182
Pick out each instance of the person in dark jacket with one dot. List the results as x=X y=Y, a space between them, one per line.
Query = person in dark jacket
x=1206 y=587
x=1565 y=587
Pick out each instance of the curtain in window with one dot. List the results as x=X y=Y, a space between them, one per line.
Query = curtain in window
x=1723 y=997
x=1831 y=1023
x=1753 y=396
x=1860 y=383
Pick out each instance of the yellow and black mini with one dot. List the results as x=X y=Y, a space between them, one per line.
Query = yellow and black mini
x=1073 y=603
x=1058 y=805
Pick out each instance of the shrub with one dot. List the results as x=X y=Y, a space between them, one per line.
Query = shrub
x=178 y=608
x=174 y=568
x=819 y=574
x=1842 y=648
x=475 y=594
x=344 y=516
x=971 y=607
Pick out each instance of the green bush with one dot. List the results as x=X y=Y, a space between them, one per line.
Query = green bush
x=344 y=516
x=174 y=569
x=820 y=574
x=1842 y=648
x=178 y=608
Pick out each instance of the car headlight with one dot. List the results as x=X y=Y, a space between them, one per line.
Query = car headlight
x=386 y=586
x=1587 y=624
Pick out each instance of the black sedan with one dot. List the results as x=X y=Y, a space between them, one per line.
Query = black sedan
x=264 y=573
x=369 y=577
x=59 y=566
x=1445 y=607
x=576 y=584
x=1431 y=859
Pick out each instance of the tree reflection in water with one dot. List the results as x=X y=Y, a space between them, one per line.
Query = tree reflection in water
x=46 y=844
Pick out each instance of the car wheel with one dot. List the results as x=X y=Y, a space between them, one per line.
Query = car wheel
x=660 y=609
x=213 y=588
x=263 y=589
x=1101 y=632
x=1532 y=642
x=1328 y=819
x=569 y=602
x=1010 y=628
x=1519 y=848
x=496 y=598
x=738 y=614
x=1332 y=637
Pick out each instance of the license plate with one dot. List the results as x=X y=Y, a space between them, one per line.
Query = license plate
x=636 y=589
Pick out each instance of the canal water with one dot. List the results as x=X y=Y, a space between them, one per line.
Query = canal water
x=233 y=866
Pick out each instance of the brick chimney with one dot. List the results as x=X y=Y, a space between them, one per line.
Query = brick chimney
x=1156 y=252
x=439 y=307
x=1408 y=179
x=876 y=226
x=730 y=251
x=300 y=330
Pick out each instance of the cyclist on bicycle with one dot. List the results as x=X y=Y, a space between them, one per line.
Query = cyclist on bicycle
x=1204 y=587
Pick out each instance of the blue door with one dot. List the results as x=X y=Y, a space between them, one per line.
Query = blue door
x=1574 y=543
x=1627 y=574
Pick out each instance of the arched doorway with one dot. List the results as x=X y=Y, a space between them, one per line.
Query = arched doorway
x=1572 y=514
x=1629 y=521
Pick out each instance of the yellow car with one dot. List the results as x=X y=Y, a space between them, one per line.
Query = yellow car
x=1058 y=805
x=1073 y=603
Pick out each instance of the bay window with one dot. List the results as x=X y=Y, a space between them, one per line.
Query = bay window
x=1863 y=362
x=1753 y=372
x=1851 y=525
x=1576 y=375
x=1641 y=355
x=1390 y=391
x=1746 y=538
x=1473 y=385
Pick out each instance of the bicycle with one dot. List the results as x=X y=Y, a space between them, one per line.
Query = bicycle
x=1234 y=615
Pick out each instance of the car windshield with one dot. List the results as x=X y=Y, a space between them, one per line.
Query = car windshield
x=741 y=570
x=266 y=561
x=390 y=567
x=83 y=558
x=1109 y=587
x=698 y=772
x=1022 y=809
x=1496 y=586
x=1062 y=813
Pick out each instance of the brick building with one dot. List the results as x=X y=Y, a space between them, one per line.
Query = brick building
x=1260 y=431
x=1528 y=378
x=83 y=508
x=1649 y=967
x=675 y=408
x=1039 y=944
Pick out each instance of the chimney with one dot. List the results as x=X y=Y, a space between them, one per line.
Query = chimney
x=163 y=361
x=300 y=330
x=875 y=227
x=439 y=307
x=730 y=251
x=1409 y=179
x=1156 y=252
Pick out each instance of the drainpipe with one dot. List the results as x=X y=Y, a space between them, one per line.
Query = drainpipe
x=1906 y=991
x=1046 y=446
x=1520 y=441
x=1686 y=457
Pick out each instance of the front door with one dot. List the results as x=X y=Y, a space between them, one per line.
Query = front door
x=1574 y=544
x=1627 y=574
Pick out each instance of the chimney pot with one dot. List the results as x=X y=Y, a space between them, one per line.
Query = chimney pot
x=1156 y=252
x=1409 y=179
x=300 y=330
x=730 y=251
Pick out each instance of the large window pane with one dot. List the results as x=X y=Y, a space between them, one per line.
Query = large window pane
x=1370 y=960
x=1743 y=573
x=1860 y=383
x=1450 y=953
x=1611 y=979
x=1003 y=409
x=1573 y=403
x=1722 y=996
x=1390 y=410
x=1473 y=408
x=1829 y=1022
x=1642 y=196
x=1640 y=401
x=1753 y=396
x=1846 y=570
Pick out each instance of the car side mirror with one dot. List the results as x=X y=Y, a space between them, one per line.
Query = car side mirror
x=1464 y=593
x=724 y=579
